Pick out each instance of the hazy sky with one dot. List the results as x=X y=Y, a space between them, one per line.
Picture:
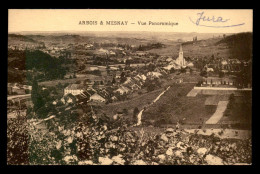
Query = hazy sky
x=231 y=21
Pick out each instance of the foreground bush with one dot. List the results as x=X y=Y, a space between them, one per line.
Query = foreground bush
x=92 y=140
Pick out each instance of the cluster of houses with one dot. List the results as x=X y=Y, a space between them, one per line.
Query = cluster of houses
x=16 y=98
x=18 y=89
x=58 y=50
x=93 y=91
x=132 y=84
x=102 y=51
x=26 y=46
x=80 y=93
x=87 y=46
x=225 y=65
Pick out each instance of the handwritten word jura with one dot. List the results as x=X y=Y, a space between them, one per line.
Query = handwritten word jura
x=212 y=21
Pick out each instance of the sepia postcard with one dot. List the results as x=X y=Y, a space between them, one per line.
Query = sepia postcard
x=129 y=87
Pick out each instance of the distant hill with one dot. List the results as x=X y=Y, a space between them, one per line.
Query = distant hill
x=240 y=45
x=18 y=37
x=132 y=36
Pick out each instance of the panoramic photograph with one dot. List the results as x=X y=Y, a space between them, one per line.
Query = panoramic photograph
x=129 y=87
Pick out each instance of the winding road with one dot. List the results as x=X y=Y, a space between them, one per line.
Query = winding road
x=139 y=116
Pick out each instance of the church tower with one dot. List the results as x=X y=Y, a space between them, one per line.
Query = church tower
x=181 y=60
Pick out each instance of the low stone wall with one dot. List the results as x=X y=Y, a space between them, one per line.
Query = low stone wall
x=215 y=88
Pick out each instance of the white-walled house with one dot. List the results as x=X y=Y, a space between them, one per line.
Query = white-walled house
x=97 y=97
x=122 y=90
x=74 y=89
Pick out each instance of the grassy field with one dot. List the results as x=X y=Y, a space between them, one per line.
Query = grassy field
x=174 y=106
x=240 y=113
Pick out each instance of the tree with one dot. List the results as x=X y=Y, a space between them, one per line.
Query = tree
x=123 y=78
x=221 y=74
x=203 y=73
x=36 y=97
x=96 y=72
x=42 y=112
x=151 y=67
x=172 y=70
x=59 y=85
x=125 y=111
x=28 y=112
x=127 y=63
x=27 y=91
x=114 y=80
x=120 y=68
x=191 y=70
x=135 y=113
x=183 y=70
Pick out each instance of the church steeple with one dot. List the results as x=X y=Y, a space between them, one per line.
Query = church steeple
x=181 y=48
x=181 y=60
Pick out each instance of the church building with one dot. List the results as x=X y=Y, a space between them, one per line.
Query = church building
x=180 y=60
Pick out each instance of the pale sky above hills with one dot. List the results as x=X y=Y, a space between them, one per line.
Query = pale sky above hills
x=68 y=20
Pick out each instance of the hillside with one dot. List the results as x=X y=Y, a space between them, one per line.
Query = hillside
x=240 y=45
x=19 y=61
x=198 y=49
